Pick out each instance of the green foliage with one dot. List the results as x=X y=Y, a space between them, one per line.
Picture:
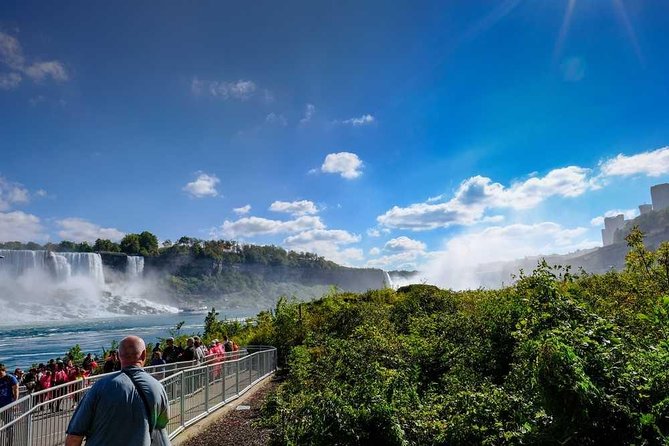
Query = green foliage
x=76 y=354
x=557 y=358
x=130 y=244
x=106 y=245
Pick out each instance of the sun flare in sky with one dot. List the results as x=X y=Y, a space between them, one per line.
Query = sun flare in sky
x=389 y=137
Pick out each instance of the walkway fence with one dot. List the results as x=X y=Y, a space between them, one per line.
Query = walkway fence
x=194 y=391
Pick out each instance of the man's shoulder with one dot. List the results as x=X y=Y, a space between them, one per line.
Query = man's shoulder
x=10 y=379
x=110 y=379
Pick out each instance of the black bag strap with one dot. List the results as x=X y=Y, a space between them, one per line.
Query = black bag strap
x=147 y=407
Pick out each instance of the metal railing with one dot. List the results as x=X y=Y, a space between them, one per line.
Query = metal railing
x=194 y=391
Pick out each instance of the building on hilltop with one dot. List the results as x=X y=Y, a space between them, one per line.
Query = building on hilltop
x=660 y=196
x=611 y=225
x=645 y=209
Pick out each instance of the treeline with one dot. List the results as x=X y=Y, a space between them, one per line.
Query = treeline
x=557 y=358
x=145 y=244
x=224 y=251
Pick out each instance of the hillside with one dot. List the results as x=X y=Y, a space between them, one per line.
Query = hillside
x=552 y=359
x=654 y=225
x=195 y=273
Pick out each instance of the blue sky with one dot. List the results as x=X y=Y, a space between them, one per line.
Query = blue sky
x=374 y=135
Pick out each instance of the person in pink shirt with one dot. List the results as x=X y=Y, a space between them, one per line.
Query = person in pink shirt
x=59 y=378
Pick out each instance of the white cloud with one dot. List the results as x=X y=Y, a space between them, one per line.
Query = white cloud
x=477 y=194
x=80 y=230
x=240 y=90
x=628 y=213
x=242 y=210
x=22 y=227
x=254 y=226
x=309 y=112
x=39 y=71
x=400 y=253
x=652 y=163
x=336 y=236
x=373 y=232
x=400 y=260
x=360 y=121
x=346 y=164
x=11 y=194
x=276 y=119
x=454 y=266
x=327 y=243
x=11 y=55
x=203 y=186
x=296 y=208
x=9 y=81
x=404 y=244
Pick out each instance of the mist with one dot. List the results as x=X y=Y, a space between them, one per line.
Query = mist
x=32 y=292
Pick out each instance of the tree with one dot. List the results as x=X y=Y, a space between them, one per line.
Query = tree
x=66 y=246
x=130 y=244
x=84 y=247
x=148 y=244
x=106 y=245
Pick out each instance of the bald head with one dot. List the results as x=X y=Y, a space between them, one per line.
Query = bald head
x=132 y=351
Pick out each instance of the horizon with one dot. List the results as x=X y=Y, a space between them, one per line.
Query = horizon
x=407 y=138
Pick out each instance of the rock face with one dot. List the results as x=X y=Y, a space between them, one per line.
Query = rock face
x=655 y=225
x=116 y=261
x=347 y=279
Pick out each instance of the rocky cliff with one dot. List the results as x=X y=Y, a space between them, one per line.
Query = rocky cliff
x=655 y=226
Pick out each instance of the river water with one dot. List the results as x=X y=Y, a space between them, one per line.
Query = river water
x=23 y=345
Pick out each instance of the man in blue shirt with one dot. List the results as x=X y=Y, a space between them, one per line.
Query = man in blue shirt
x=9 y=392
x=126 y=408
x=9 y=387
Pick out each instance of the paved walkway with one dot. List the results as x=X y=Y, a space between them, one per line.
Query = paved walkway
x=233 y=424
x=49 y=424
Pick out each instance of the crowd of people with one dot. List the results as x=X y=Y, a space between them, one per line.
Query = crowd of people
x=64 y=370
x=128 y=360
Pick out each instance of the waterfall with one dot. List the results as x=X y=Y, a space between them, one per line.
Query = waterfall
x=135 y=266
x=15 y=263
x=86 y=264
x=387 y=281
x=62 y=265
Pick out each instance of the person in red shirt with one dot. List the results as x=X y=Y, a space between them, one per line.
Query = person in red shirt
x=59 y=378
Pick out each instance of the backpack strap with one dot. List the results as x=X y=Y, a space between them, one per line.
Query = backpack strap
x=147 y=407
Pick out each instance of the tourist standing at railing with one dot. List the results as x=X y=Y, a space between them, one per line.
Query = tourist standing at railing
x=199 y=351
x=189 y=352
x=9 y=387
x=9 y=392
x=59 y=377
x=30 y=380
x=127 y=408
x=171 y=352
x=112 y=363
x=86 y=364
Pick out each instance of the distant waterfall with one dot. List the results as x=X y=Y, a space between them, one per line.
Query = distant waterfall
x=16 y=263
x=387 y=281
x=61 y=265
x=86 y=264
x=135 y=266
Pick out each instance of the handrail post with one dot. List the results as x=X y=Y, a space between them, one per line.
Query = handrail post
x=181 y=403
x=206 y=389
x=237 y=377
x=29 y=434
